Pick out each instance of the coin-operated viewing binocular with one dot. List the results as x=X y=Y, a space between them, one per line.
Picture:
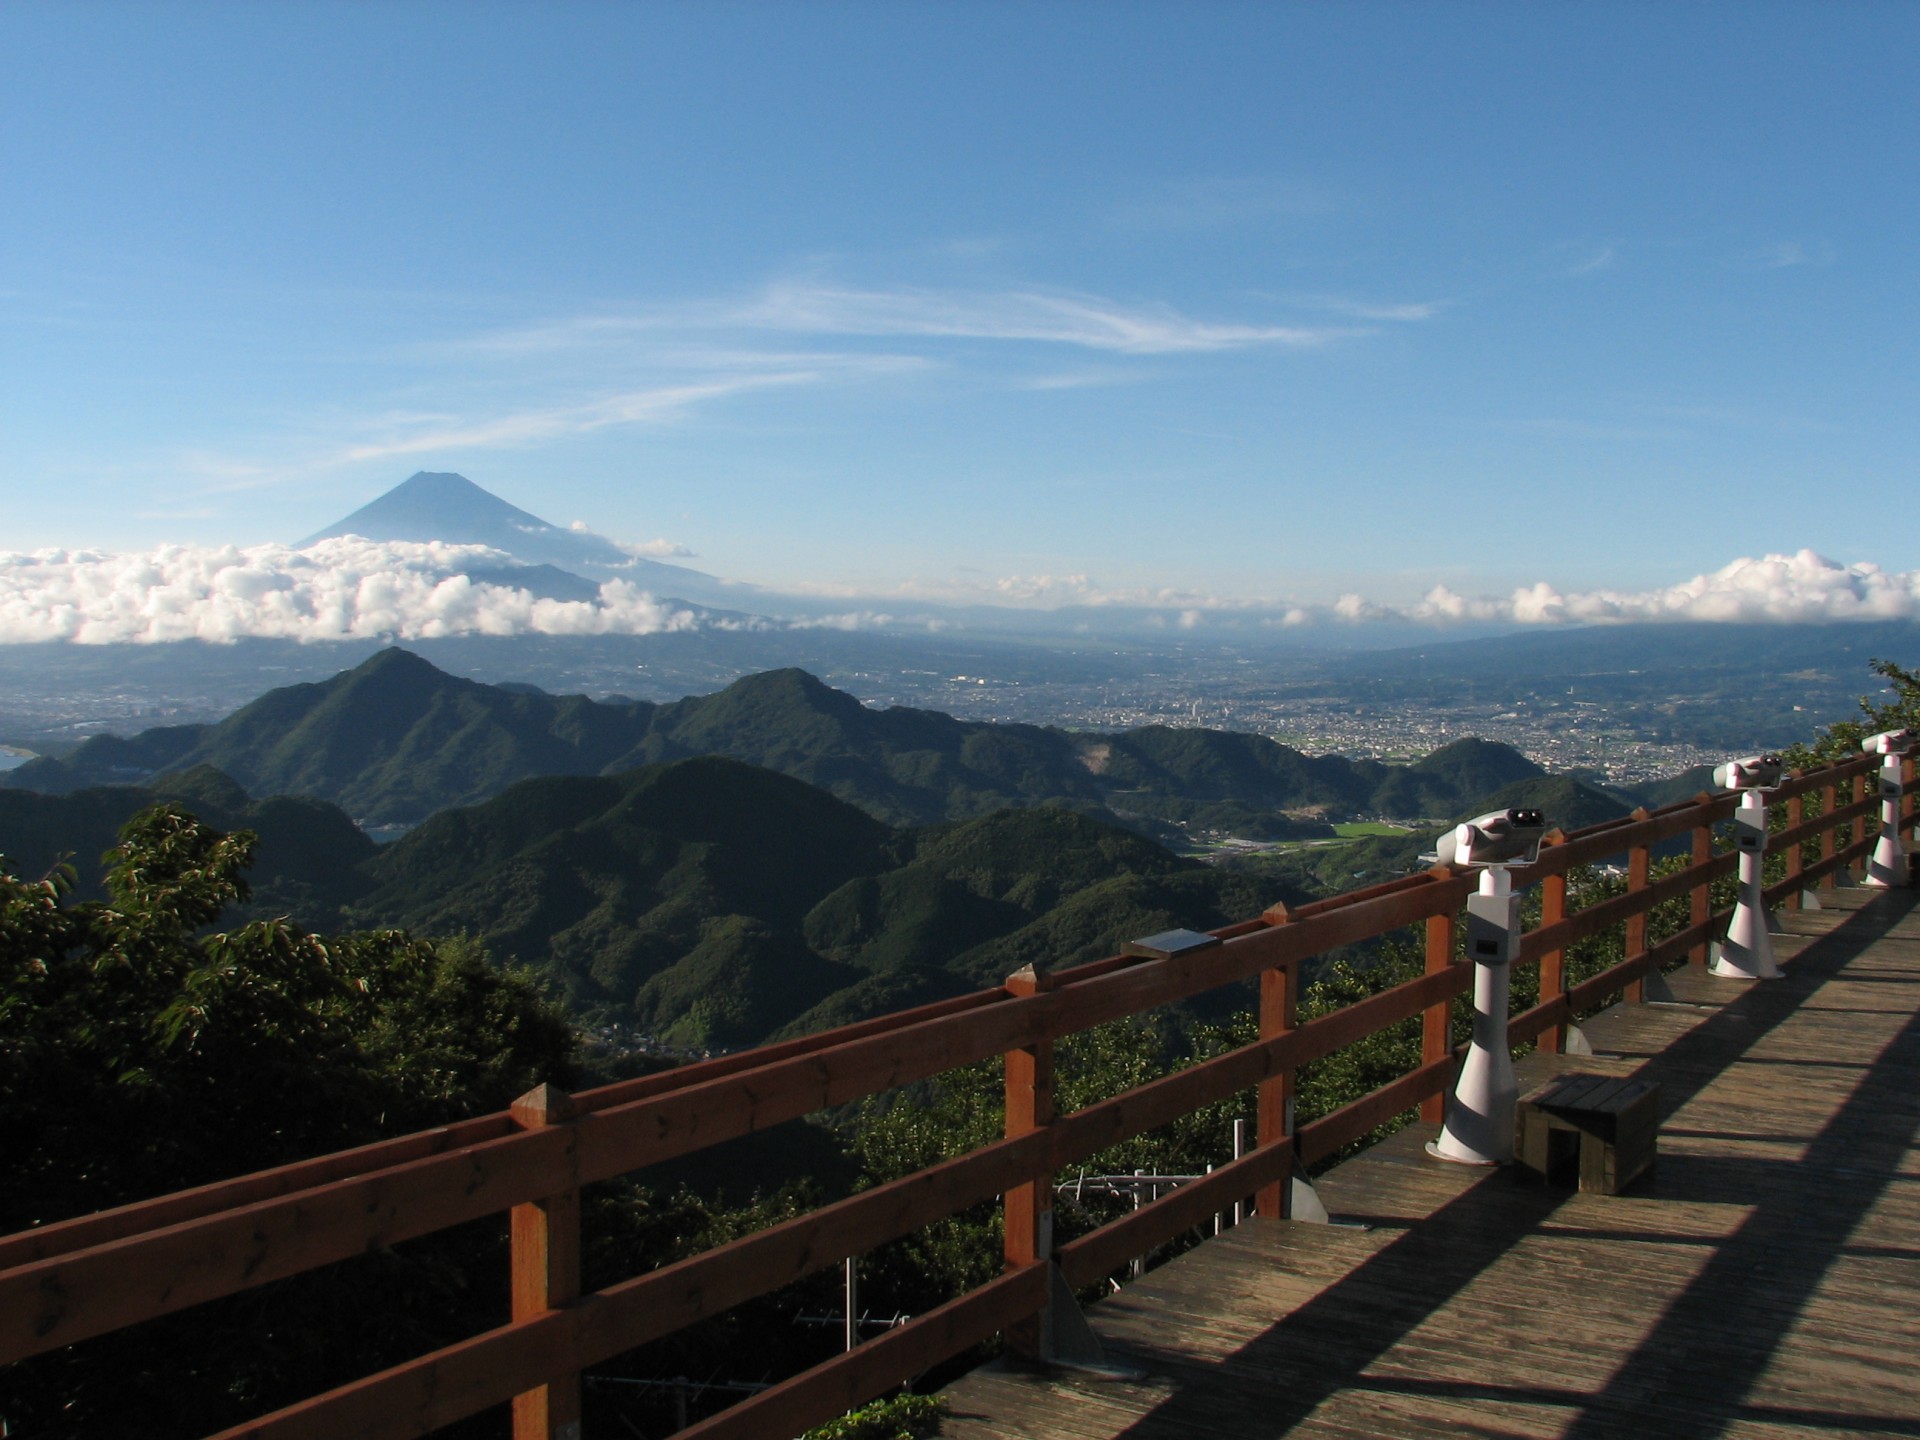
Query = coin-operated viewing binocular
x=1479 y=1128
x=1500 y=837
x=1890 y=865
x=1754 y=772
x=1747 y=952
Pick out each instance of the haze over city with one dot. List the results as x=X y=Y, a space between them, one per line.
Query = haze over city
x=1291 y=314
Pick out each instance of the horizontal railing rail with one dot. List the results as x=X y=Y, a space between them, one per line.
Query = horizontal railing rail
x=65 y=1282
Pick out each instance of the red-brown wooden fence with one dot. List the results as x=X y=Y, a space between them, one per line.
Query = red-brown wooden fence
x=63 y=1283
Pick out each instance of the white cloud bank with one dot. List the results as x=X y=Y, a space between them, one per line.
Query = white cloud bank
x=342 y=589
x=349 y=588
x=1801 y=588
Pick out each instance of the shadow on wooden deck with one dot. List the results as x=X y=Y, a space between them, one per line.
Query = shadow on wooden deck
x=1764 y=1279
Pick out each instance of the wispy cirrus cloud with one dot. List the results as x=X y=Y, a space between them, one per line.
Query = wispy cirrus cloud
x=533 y=426
x=1593 y=259
x=563 y=377
x=1050 y=316
x=1089 y=378
x=1405 y=312
x=691 y=334
x=545 y=402
x=1784 y=255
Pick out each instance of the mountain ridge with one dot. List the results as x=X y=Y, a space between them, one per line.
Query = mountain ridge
x=395 y=739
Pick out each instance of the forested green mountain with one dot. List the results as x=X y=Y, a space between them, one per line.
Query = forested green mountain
x=713 y=903
x=304 y=867
x=857 y=861
x=707 y=901
x=391 y=740
x=394 y=740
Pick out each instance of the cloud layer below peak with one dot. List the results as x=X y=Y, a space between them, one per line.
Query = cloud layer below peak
x=341 y=589
x=1804 y=587
x=350 y=588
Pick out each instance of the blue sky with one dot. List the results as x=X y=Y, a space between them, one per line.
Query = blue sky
x=950 y=300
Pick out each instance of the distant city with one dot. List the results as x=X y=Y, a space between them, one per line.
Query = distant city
x=1576 y=735
x=1623 y=734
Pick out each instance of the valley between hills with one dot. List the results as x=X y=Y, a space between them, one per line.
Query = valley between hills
x=769 y=859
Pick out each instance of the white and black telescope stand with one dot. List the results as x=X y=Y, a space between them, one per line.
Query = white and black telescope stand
x=1479 y=1128
x=1888 y=866
x=1747 y=952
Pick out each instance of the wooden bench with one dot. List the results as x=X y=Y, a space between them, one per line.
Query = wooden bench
x=1597 y=1128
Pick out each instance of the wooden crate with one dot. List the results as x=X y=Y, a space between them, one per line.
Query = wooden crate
x=1597 y=1128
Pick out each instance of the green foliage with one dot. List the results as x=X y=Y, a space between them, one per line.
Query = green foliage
x=705 y=868
x=143 y=1051
x=741 y=981
x=279 y=1042
x=1898 y=708
x=712 y=903
x=303 y=863
x=904 y=1417
x=963 y=1110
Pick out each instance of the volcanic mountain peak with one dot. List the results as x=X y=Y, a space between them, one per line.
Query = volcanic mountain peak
x=436 y=505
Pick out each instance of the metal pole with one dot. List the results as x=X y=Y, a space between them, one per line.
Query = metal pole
x=853 y=1302
x=1139 y=1266
x=1239 y=1149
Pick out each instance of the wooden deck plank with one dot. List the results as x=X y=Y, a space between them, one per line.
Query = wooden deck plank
x=1762 y=1281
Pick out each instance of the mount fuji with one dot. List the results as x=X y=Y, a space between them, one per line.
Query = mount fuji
x=435 y=505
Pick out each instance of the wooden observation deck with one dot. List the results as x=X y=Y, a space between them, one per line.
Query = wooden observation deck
x=1762 y=1280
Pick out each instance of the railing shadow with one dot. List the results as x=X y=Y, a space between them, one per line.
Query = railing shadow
x=1731 y=1319
x=1726 y=1322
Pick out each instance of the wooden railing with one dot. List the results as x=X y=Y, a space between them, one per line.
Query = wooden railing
x=63 y=1283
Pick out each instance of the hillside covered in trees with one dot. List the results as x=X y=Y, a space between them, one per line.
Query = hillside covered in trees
x=773 y=858
x=707 y=902
x=394 y=740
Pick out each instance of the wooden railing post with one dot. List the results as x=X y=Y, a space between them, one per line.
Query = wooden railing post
x=1701 y=909
x=545 y=1246
x=1830 y=801
x=1028 y=1214
x=1553 y=965
x=1273 y=1123
x=1639 y=871
x=1796 y=859
x=1865 y=785
x=1436 y=1021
